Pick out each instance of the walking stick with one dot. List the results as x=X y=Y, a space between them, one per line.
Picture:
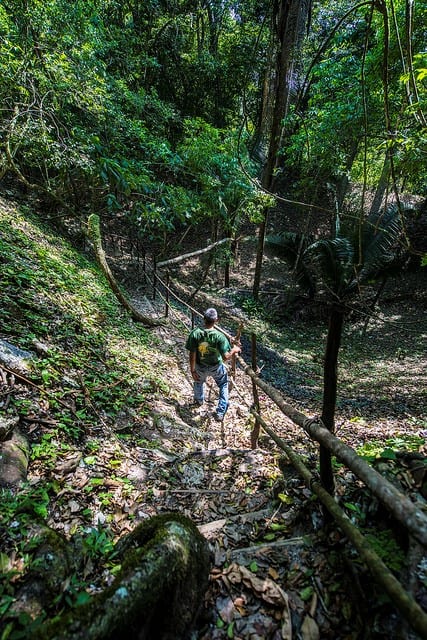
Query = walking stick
x=236 y=340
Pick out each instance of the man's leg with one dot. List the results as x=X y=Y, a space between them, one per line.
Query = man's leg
x=221 y=378
x=199 y=386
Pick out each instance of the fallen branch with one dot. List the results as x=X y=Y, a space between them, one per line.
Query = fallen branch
x=266 y=547
x=94 y=234
x=185 y=256
x=210 y=491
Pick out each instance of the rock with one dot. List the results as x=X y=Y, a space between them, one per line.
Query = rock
x=14 y=454
x=15 y=359
x=7 y=425
x=41 y=348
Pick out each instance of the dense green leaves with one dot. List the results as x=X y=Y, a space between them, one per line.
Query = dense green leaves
x=99 y=101
x=133 y=108
x=362 y=100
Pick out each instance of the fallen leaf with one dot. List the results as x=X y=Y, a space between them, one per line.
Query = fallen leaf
x=273 y=573
x=265 y=588
x=309 y=629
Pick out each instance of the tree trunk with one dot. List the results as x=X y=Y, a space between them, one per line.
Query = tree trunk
x=186 y=256
x=288 y=25
x=94 y=233
x=381 y=186
x=333 y=342
x=157 y=594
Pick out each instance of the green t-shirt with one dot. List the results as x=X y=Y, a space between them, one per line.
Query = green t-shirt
x=209 y=344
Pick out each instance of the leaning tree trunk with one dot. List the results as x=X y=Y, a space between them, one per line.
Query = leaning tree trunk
x=94 y=234
x=333 y=342
x=289 y=21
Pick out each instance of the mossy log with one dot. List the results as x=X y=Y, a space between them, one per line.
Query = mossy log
x=157 y=594
x=94 y=234
x=14 y=454
x=52 y=563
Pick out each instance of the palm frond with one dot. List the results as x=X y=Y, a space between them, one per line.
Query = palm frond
x=290 y=247
x=287 y=246
x=331 y=264
x=381 y=242
x=339 y=266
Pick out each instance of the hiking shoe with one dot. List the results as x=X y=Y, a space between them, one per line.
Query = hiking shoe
x=218 y=417
x=197 y=403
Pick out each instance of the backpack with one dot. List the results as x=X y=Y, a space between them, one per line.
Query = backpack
x=208 y=353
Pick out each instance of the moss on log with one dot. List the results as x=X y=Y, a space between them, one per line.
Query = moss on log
x=51 y=564
x=157 y=594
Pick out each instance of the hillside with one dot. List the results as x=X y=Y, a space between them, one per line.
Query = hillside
x=106 y=406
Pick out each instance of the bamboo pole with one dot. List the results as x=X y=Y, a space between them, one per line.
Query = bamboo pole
x=257 y=425
x=234 y=357
x=408 y=607
x=403 y=509
x=185 y=256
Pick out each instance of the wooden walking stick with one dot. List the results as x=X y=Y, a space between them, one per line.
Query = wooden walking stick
x=236 y=340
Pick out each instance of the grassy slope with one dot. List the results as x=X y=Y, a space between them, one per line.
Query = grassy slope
x=53 y=294
x=100 y=370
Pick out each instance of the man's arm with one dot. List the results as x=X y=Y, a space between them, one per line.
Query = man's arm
x=230 y=354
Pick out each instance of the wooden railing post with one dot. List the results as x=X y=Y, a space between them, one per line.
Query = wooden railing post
x=256 y=429
x=154 y=277
x=167 y=295
x=234 y=357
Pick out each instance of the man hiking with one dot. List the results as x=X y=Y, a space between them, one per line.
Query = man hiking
x=209 y=349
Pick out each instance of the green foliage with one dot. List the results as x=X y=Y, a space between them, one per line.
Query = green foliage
x=133 y=110
x=209 y=160
x=338 y=128
x=374 y=449
x=98 y=543
x=361 y=253
x=47 y=450
x=252 y=307
x=385 y=546
x=93 y=104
